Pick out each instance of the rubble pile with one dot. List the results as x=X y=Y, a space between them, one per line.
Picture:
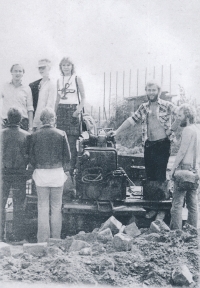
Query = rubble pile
x=114 y=255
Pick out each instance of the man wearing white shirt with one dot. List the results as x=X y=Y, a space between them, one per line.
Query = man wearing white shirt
x=15 y=94
x=44 y=92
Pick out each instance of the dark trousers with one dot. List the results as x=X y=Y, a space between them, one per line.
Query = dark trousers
x=156 y=156
x=18 y=183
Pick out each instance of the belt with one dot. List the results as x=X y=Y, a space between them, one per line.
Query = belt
x=68 y=105
x=49 y=166
x=157 y=141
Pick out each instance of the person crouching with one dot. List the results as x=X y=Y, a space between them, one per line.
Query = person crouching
x=49 y=155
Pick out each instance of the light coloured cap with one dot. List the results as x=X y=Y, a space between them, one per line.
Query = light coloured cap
x=43 y=63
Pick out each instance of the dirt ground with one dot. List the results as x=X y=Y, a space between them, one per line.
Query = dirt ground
x=149 y=263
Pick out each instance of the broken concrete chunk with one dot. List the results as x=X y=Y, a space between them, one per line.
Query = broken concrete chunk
x=132 y=230
x=106 y=264
x=4 y=250
x=182 y=276
x=55 y=241
x=122 y=242
x=152 y=237
x=105 y=235
x=77 y=245
x=113 y=224
x=137 y=253
x=85 y=251
x=189 y=228
x=88 y=237
x=36 y=249
x=157 y=226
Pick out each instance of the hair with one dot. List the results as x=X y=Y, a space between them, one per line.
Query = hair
x=46 y=60
x=16 y=65
x=47 y=116
x=151 y=83
x=66 y=59
x=189 y=112
x=14 y=116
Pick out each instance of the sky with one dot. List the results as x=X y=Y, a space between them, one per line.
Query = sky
x=105 y=36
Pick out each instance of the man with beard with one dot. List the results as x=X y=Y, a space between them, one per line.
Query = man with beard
x=155 y=116
x=187 y=158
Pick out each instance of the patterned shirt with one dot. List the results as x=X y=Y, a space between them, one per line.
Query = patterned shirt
x=165 y=110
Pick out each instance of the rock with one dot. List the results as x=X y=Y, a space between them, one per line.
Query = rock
x=105 y=235
x=113 y=224
x=121 y=230
x=88 y=237
x=152 y=237
x=157 y=226
x=66 y=243
x=36 y=249
x=122 y=242
x=54 y=251
x=97 y=248
x=4 y=250
x=55 y=241
x=137 y=253
x=106 y=264
x=132 y=230
x=182 y=276
x=77 y=245
x=189 y=228
x=85 y=251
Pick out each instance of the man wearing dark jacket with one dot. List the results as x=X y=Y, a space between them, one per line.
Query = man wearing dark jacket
x=49 y=155
x=14 y=155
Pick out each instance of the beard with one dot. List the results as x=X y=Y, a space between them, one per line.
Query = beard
x=183 y=123
x=154 y=99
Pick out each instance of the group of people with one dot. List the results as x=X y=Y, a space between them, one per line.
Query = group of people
x=50 y=150
x=156 y=116
x=29 y=116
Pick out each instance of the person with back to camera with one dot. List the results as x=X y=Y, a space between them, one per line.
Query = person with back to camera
x=69 y=104
x=49 y=155
x=43 y=91
x=185 y=170
x=15 y=144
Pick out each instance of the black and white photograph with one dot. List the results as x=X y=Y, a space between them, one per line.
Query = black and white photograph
x=99 y=143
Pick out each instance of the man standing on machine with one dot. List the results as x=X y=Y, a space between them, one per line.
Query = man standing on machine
x=155 y=116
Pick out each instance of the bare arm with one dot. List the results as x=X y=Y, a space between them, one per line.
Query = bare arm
x=125 y=125
x=30 y=119
x=82 y=92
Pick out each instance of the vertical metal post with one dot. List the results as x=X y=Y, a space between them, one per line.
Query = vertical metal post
x=137 y=80
x=123 y=82
x=99 y=116
x=91 y=110
x=110 y=95
x=104 y=94
x=116 y=87
x=145 y=76
x=170 y=79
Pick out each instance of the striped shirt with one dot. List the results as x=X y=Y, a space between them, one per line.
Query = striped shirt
x=165 y=111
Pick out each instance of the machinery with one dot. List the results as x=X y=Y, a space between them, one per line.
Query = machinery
x=103 y=189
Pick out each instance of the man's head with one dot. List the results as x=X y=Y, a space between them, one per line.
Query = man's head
x=14 y=116
x=187 y=115
x=17 y=72
x=152 y=90
x=44 y=66
x=48 y=116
